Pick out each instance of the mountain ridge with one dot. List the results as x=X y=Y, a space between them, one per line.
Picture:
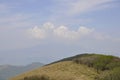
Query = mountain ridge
x=7 y=71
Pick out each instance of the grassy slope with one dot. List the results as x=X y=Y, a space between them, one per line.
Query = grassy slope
x=66 y=70
x=76 y=68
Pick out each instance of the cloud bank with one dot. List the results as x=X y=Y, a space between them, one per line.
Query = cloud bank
x=62 y=32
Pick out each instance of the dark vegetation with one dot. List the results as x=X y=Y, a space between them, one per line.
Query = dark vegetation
x=107 y=66
x=42 y=77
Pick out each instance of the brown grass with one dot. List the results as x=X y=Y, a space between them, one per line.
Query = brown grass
x=66 y=70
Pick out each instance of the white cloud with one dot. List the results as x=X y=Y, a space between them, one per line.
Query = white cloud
x=50 y=31
x=48 y=25
x=65 y=11
x=81 y=6
x=61 y=32
x=64 y=32
x=84 y=30
x=73 y=7
x=36 y=32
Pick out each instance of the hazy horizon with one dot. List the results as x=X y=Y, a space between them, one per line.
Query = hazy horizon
x=49 y=30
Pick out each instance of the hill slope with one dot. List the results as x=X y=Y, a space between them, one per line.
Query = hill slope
x=7 y=71
x=79 y=67
x=66 y=70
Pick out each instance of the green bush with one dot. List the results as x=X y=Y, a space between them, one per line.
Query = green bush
x=99 y=62
x=86 y=59
x=108 y=67
x=43 y=77
x=113 y=64
x=102 y=61
x=110 y=75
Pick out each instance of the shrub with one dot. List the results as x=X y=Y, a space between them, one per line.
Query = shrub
x=110 y=75
x=102 y=61
x=43 y=77
x=99 y=62
x=113 y=64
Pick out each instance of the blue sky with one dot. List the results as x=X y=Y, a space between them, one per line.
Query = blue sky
x=48 y=30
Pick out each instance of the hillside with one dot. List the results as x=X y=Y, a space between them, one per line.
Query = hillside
x=7 y=71
x=62 y=71
x=79 y=67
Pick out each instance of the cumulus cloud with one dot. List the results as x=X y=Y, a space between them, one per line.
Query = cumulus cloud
x=84 y=30
x=64 y=32
x=49 y=31
x=37 y=32
x=61 y=32
x=48 y=25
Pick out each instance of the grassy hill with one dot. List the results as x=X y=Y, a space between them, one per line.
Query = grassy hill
x=79 y=67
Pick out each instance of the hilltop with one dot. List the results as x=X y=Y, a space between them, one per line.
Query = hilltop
x=79 y=67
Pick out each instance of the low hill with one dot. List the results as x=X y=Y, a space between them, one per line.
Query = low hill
x=7 y=71
x=79 y=67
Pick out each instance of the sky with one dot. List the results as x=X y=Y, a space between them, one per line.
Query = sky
x=49 y=30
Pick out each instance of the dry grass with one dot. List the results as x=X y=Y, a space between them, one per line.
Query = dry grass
x=66 y=70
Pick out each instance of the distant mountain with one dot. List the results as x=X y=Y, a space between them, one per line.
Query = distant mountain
x=8 y=71
x=79 y=67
